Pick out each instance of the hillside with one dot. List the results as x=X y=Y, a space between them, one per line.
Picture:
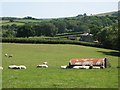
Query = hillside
x=56 y=55
x=115 y=13
x=64 y=27
x=28 y=19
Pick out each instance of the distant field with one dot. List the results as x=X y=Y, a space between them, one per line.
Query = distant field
x=25 y=20
x=104 y=14
x=17 y=23
x=56 y=55
x=4 y=21
x=20 y=22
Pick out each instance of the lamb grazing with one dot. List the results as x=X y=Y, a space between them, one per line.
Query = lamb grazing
x=81 y=67
x=12 y=66
x=22 y=67
x=6 y=54
x=42 y=66
x=10 y=55
x=16 y=67
x=45 y=63
x=64 y=67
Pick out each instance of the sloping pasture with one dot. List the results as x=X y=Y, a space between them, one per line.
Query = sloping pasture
x=56 y=55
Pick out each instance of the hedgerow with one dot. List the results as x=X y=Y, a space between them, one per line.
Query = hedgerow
x=52 y=41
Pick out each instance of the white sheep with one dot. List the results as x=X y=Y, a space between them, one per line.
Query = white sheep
x=63 y=67
x=10 y=55
x=81 y=67
x=45 y=63
x=42 y=66
x=17 y=67
x=22 y=67
x=12 y=66
x=6 y=54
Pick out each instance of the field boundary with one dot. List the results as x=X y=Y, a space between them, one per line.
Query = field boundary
x=51 y=41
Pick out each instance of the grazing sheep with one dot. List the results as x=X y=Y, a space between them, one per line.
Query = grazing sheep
x=64 y=67
x=42 y=66
x=22 y=67
x=10 y=55
x=81 y=67
x=45 y=63
x=12 y=66
x=6 y=54
x=17 y=67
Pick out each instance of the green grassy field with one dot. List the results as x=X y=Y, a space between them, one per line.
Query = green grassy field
x=56 y=55
x=20 y=22
x=28 y=20
x=4 y=21
x=107 y=13
x=17 y=23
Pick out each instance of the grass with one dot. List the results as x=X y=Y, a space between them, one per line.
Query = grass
x=28 y=20
x=17 y=23
x=108 y=13
x=56 y=55
x=4 y=21
x=20 y=22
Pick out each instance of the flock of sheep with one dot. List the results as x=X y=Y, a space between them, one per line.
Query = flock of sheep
x=8 y=55
x=44 y=65
x=82 y=67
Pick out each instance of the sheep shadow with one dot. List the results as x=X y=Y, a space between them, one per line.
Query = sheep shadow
x=110 y=53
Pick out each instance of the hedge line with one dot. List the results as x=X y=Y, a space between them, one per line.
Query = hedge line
x=67 y=34
x=44 y=41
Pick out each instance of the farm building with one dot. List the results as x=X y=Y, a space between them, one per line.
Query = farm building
x=86 y=37
x=72 y=38
x=101 y=62
x=98 y=63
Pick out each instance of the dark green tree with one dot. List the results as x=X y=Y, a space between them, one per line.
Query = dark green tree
x=11 y=20
x=49 y=29
x=9 y=33
x=61 y=26
x=25 y=31
x=108 y=36
x=84 y=14
x=38 y=30
x=94 y=29
x=83 y=28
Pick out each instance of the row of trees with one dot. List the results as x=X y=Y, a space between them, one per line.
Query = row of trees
x=45 y=29
x=54 y=26
x=102 y=28
x=27 y=30
x=108 y=36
